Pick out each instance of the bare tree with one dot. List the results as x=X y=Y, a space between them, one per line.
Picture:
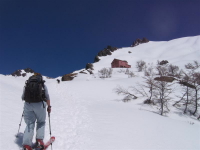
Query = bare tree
x=193 y=66
x=186 y=98
x=140 y=65
x=196 y=83
x=105 y=73
x=163 y=90
x=128 y=96
x=121 y=71
x=191 y=87
x=162 y=70
x=147 y=89
x=173 y=70
x=149 y=71
x=129 y=73
x=179 y=74
x=149 y=83
x=196 y=64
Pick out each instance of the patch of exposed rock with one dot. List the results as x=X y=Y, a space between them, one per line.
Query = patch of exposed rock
x=83 y=72
x=89 y=66
x=19 y=72
x=184 y=83
x=105 y=52
x=139 y=41
x=165 y=78
x=163 y=62
x=69 y=77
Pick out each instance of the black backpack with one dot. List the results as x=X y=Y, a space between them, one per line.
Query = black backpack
x=34 y=89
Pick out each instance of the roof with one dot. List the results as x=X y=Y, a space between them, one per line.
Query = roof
x=120 y=60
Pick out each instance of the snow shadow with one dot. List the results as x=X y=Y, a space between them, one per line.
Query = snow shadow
x=19 y=139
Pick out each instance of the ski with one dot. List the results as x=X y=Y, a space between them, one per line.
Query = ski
x=46 y=145
x=51 y=140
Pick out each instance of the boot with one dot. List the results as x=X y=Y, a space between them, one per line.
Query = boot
x=40 y=144
x=27 y=147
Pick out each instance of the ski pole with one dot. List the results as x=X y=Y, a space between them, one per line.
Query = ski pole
x=50 y=128
x=20 y=122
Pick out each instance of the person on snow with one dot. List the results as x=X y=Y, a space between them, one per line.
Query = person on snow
x=58 y=81
x=36 y=98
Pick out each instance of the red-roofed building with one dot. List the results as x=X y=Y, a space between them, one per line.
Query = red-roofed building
x=116 y=63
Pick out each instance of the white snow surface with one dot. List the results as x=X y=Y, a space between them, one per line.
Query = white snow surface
x=88 y=115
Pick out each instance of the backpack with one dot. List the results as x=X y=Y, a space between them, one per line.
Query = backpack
x=34 y=89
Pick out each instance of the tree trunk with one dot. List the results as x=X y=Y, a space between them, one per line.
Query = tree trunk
x=196 y=102
x=162 y=101
x=186 y=102
x=151 y=91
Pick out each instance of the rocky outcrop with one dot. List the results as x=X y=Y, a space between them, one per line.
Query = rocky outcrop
x=83 y=72
x=163 y=62
x=139 y=41
x=19 y=72
x=187 y=84
x=89 y=66
x=90 y=71
x=29 y=70
x=105 y=52
x=165 y=78
x=69 y=77
x=96 y=59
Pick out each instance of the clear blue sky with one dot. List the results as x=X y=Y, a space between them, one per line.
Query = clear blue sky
x=56 y=37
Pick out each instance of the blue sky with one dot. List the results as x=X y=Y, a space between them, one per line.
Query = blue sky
x=58 y=37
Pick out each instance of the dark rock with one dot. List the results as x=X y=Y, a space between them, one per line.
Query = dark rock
x=23 y=74
x=112 y=49
x=105 y=52
x=96 y=59
x=109 y=47
x=89 y=66
x=83 y=72
x=29 y=70
x=187 y=84
x=69 y=77
x=165 y=78
x=90 y=71
x=148 y=101
x=163 y=62
x=18 y=72
x=139 y=41
x=145 y=40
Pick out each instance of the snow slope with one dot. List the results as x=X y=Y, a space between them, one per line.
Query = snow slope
x=88 y=115
x=178 y=52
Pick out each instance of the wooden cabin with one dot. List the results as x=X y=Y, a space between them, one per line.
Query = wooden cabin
x=116 y=63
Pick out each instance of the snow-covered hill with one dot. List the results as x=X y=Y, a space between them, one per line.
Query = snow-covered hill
x=88 y=115
x=177 y=52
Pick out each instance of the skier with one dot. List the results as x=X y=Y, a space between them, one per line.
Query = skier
x=58 y=81
x=35 y=109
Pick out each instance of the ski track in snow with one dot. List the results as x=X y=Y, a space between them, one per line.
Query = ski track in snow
x=72 y=116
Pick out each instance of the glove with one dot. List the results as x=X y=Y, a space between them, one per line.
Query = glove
x=49 y=109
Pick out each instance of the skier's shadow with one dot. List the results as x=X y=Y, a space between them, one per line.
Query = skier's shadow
x=19 y=139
